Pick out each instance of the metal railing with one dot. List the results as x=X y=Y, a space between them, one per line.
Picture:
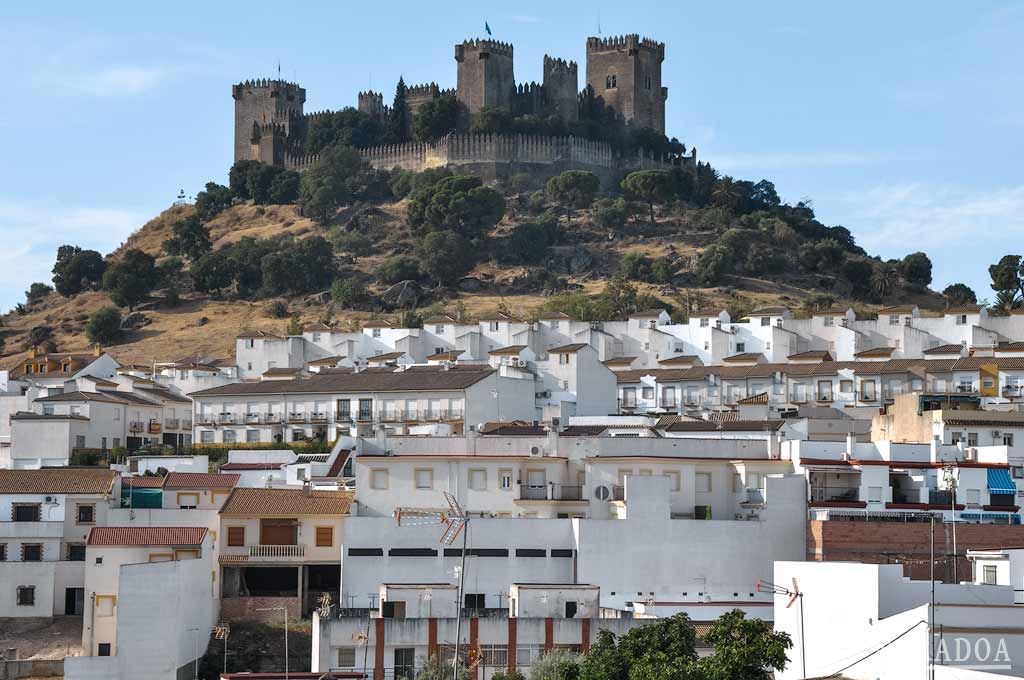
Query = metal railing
x=533 y=492
x=137 y=426
x=277 y=550
x=186 y=423
x=618 y=493
x=172 y=423
x=226 y=418
x=296 y=417
x=835 y=493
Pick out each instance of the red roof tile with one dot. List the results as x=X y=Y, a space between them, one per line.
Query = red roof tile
x=199 y=480
x=129 y=536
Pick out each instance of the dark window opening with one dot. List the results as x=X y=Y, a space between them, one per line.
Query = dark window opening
x=570 y=610
x=31 y=552
x=27 y=512
x=412 y=552
x=366 y=552
x=76 y=552
x=474 y=600
x=531 y=552
x=561 y=552
x=103 y=649
x=26 y=596
x=260 y=581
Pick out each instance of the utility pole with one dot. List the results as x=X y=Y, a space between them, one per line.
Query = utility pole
x=931 y=609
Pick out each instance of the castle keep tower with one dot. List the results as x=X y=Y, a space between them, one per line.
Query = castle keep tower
x=372 y=104
x=268 y=118
x=485 y=77
x=625 y=73
x=561 y=89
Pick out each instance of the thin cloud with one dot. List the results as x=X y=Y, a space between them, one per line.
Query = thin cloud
x=790 y=160
x=114 y=81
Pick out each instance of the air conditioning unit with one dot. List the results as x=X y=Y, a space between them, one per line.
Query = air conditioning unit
x=536 y=451
x=546 y=394
x=50 y=499
x=996 y=433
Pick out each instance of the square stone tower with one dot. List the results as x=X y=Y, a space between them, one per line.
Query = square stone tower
x=625 y=73
x=485 y=75
x=561 y=89
x=271 y=107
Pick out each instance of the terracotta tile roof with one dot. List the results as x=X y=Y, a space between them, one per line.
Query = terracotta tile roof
x=316 y=328
x=725 y=426
x=281 y=370
x=583 y=431
x=769 y=311
x=513 y=428
x=496 y=316
x=554 y=316
x=831 y=311
x=450 y=355
x=142 y=481
x=76 y=361
x=131 y=536
x=945 y=349
x=511 y=350
x=232 y=467
x=339 y=463
x=680 y=360
x=568 y=349
x=812 y=354
x=376 y=323
x=707 y=313
x=163 y=394
x=876 y=352
x=57 y=481
x=744 y=356
x=29 y=415
x=414 y=379
x=444 y=319
x=754 y=399
x=1010 y=347
x=77 y=395
x=898 y=309
x=973 y=422
x=963 y=309
x=258 y=334
x=286 y=502
x=325 y=361
x=387 y=356
x=199 y=480
x=619 y=361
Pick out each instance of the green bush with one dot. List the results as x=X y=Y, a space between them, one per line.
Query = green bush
x=398 y=268
x=104 y=326
x=348 y=293
x=351 y=242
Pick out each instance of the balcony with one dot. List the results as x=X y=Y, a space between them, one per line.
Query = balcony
x=837 y=496
x=343 y=417
x=204 y=419
x=320 y=417
x=172 y=423
x=272 y=553
x=618 y=493
x=297 y=417
x=186 y=423
x=31 y=530
x=137 y=426
x=226 y=419
x=533 y=492
x=252 y=418
x=550 y=492
x=1013 y=391
x=364 y=416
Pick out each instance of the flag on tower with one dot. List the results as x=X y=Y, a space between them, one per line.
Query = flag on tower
x=487 y=28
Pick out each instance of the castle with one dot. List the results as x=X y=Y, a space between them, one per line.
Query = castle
x=623 y=73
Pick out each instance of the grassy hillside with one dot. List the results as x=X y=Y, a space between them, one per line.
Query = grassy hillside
x=584 y=259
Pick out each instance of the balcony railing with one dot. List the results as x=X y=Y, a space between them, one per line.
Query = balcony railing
x=533 y=492
x=618 y=493
x=835 y=494
x=172 y=423
x=204 y=419
x=252 y=418
x=1013 y=391
x=186 y=423
x=296 y=417
x=136 y=426
x=364 y=416
x=226 y=418
x=278 y=551
x=320 y=417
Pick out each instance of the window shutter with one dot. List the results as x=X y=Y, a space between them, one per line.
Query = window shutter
x=324 y=537
x=236 y=536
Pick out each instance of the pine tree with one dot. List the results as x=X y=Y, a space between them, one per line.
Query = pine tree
x=398 y=124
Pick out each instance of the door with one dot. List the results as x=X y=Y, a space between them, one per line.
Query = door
x=536 y=485
x=74 y=601
x=278 y=532
x=405 y=663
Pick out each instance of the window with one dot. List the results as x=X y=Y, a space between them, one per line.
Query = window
x=874 y=494
x=961 y=319
x=1017 y=471
x=316 y=337
x=972 y=438
x=505 y=475
x=375 y=332
x=846 y=386
x=867 y=390
x=629 y=397
x=956 y=437
x=365 y=409
x=439 y=329
x=346 y=657
x=103 y=649
x=26 y=512
x=741 y=347
x=563 y=359
x=610 y=82
x=494 y=655
x=324 y=537
x=424 y=479
x=474 y=601
x=31 y=552
x=378 y=478
x=704 y=321
x=76 y=552
x=894 y=319
x=229 y=436
x=824 y=390
x=737 y=483
x=494 y=326
x=703 y=480
x=829 y=321
x=988 y=575
x=478 y=480
x=647 y=82
x=26 y=596
x=648 y=393
x=79 y=439
x=707 y=345
x=673 y=480
x=252 y=436
x=236 y=537
x=766 y=321
x=1007 y=439
x=205 y=436
x=527 y=655
x=188 y=501
x=86 y=514
x=973 y=496
x=3 y=552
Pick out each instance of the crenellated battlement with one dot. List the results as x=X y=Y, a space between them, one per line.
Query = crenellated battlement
x=630 y=41
x=423 y=90
x=483 y=46
x=556 y=65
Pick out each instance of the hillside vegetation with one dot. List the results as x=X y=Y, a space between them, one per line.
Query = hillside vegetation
x=345 y=242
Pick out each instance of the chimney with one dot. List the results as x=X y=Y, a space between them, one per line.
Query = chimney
x=851 y=444
x=97 y=350
x=32 y=351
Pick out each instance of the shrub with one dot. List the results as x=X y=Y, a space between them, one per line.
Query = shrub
x=36 y=292
x=213 y=200
x=445 y=256
x=609 y=213
x=458 y=203
x=104 y=326
x=278 y=309
x=351 y=242
x=348 y=293
x=129 y=281
x=398 y=268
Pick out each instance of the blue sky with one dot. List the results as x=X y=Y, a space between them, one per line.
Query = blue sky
x=902 y=121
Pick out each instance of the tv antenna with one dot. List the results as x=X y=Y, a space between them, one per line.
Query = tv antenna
x=455 y=521
x=794 y=596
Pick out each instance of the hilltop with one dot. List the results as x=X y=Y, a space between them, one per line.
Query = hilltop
x=581 y=262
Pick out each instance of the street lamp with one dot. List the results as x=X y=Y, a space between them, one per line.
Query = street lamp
x=285 y=610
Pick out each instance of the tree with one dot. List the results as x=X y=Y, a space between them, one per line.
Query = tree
x=398 y=124
x=77 y=269
x=649 y=186
x=189 y=238
x=884 y=281
x=444 y=256
x=728 y=193
x=858 y=271
x=435 y=119
x=957 y=294
x=348 y=127
x=301 y=267
x=1008 y=280
x=348 y=293
x=213 y=200
x=333 y=182
x=556 y=665
x=130 y=280
x=238 y=178
x=745 y=649
x=666 y=642
x=36 y=292
x=212 y=272
x=284 y=188
x=351 y=242
x=530 y=240
x=458 y=203
x=917 y=270
x=609 y=213
x=398 y=268
x=635 y=265
x=104 y=326
x=41 y=336
x=573 y=189
x=714 y=262
x=436 y=669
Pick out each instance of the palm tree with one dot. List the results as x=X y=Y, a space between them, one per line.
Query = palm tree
x=1007 y=300
x=726 y=193
x=884 y=281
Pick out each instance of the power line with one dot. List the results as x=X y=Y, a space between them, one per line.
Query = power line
x=868 y=655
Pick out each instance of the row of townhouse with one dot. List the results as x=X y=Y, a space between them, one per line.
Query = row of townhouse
x=646 y=338
x=814 y=378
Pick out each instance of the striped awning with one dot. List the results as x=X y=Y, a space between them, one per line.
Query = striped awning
x=999 y=481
